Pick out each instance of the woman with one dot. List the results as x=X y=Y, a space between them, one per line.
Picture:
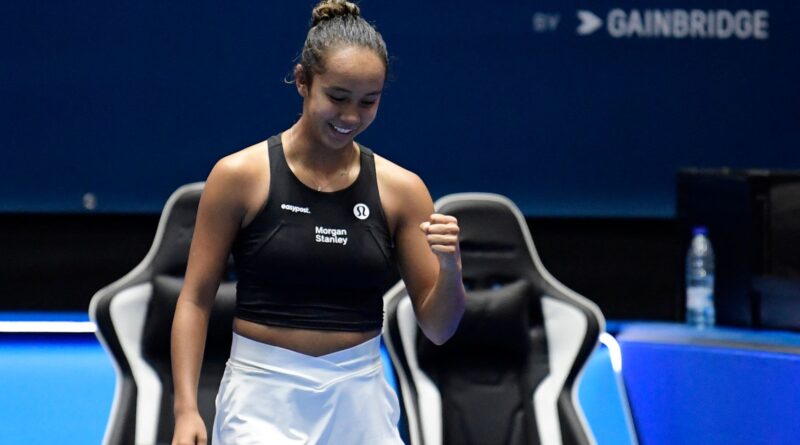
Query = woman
x=317 y=224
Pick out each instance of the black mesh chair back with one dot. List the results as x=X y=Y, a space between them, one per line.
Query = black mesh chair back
x=509 y=374
x=134 y=320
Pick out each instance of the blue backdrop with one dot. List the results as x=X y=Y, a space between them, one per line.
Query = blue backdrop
x=567 y=116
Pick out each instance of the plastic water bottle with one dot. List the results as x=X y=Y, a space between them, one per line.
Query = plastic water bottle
x=700 y=280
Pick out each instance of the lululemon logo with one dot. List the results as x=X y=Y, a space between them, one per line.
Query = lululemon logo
x=361 y=211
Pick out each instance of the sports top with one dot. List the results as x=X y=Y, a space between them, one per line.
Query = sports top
x=315 y=260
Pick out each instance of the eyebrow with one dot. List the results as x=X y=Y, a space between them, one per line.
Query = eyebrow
x=345 y=90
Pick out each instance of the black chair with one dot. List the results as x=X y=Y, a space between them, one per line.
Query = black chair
x=510 y=373
x=134 y=319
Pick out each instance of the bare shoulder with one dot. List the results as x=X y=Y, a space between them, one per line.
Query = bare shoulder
x=241 y=178
x=403 y=193
x=396 y=178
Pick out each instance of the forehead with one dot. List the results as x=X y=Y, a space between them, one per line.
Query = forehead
x=354 y=68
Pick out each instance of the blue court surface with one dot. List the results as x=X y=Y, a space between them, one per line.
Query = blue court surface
x=721 y=386
x=59 y=387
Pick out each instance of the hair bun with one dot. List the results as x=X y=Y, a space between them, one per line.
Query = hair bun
x=329 y=9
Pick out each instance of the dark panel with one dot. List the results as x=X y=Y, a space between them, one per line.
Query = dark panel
x=625 y=265
x=725 y=202
x=753 y=218
x=57 y=262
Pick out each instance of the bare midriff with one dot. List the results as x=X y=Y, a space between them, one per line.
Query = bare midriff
x=306 y=341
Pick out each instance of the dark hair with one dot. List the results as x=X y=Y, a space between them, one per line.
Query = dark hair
x=338 y=23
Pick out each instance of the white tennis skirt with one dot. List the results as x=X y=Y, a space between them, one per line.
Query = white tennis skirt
x=276 y=396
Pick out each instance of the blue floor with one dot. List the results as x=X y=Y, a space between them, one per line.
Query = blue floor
x=54 y=389
x=58 y=388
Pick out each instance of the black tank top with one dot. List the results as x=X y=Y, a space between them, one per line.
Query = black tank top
x=315 y=260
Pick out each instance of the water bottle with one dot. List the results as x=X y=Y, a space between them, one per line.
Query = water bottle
x=700 y=280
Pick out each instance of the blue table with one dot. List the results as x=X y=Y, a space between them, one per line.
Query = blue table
x=712 y=386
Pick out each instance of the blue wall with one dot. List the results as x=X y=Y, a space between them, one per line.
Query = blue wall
x=129 y=100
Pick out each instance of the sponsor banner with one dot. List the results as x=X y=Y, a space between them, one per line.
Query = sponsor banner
x=665 y=23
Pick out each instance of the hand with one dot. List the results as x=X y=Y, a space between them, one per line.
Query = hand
x=441 y=232
x=190 y=430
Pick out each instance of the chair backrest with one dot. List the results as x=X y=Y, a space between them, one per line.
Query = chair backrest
x=509 y=374
x=134 y=319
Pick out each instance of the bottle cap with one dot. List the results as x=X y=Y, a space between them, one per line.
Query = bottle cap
x=699 y=230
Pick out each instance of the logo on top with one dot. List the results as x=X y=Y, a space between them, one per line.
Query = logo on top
x=295 y=209
x=361 y=211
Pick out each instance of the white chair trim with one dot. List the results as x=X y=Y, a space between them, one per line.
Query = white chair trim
x=128 y=313
x=412 y=415
x=566 y=328
x=429 y=398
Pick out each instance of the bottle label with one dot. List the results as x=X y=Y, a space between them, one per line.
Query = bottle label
x=698 y=297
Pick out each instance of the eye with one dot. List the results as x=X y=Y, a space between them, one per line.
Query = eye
x=337 y=99
x=368 y=103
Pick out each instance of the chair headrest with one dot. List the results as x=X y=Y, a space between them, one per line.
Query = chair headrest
x=174 y=236
x=495 y=328
x=492 y=239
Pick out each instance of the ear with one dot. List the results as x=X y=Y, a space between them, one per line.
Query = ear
x=300 y=80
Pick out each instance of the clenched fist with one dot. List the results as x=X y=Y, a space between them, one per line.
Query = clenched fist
x=441 y=232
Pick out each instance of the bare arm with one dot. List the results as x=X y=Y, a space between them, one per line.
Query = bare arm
x=219 y=217
x=430 y=262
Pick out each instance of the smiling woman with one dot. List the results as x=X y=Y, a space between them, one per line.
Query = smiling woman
x=339 y=103
x=319 y=227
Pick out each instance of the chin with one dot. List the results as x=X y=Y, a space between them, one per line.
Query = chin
x=336 y=144
x=334 y=140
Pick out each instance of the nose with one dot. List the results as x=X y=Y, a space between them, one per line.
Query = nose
x=349 y=115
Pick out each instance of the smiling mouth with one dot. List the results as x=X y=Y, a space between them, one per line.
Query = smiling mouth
x=341 y=130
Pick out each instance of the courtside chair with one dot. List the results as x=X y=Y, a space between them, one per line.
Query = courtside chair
x=134 y=319
x=509 y=375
